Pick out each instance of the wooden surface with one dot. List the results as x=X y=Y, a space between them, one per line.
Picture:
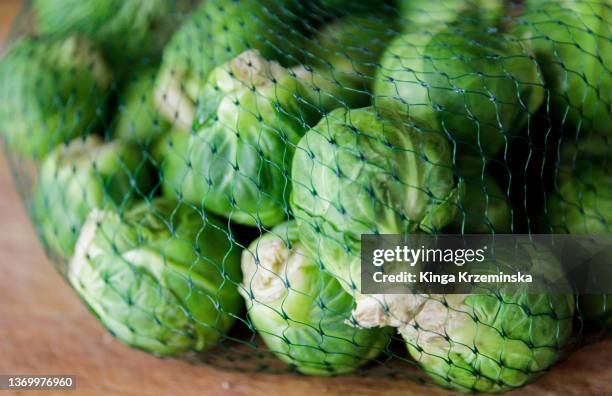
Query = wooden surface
x=44 y=329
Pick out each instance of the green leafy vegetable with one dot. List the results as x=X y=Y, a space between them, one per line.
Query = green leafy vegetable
x=344 y=56
x=218 y=31
x=365 y=172
x=236 y=161
x=79 y=177
x=494 y=342
x=160 y=277
x=300 y=311
x=138 y=119
x=431 y=15
x=124 y=29
x=572 y=42
x=582 y=204
x=50 y=91
x=477 y=86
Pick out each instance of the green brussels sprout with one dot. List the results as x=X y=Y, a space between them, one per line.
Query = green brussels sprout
x=79 y=177
x=138 y=119
x=368 y=172
x=124 y=29
x=344 y=56
x=237 y=159
x=494 y=342
x=433 y=14
x=161 y=277
x=572 y=42
x=583 y=202
x=300 y=311
x=478 y=87
x=483 y=208
x=578 y=204
x=218 y=31
x=50 y=91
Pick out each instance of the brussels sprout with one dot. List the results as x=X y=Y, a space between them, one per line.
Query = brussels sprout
x=583 y=205
x=493 y=342
x=217 y=32
x=433 y=14
x=582 y=197
x=368 y=172
x=572 y=42
x=583 y=202
x=79 y=177
x=138 y=119
x=483 y=208
x=344 y=56
x=124 y=29
x=50 y=92
x=478 y=87
x=236 y=161
x=161 y=278
x=300 y=311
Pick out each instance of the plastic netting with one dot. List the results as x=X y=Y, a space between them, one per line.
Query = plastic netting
x=201 y=172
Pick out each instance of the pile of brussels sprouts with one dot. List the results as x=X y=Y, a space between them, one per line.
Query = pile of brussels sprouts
x=195 y=165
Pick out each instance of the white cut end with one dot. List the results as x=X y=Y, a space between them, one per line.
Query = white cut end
x=83 y=247
x=82 y=51
x=79 y=150
x=381 y=310
x=265 y=278
x=439 y=315
x=250 y=67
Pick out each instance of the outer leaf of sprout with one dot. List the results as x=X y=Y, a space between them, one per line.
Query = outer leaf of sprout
x=493 y=342
x=478 y=87
x=50 y=91
x=572 y=42
x=300 y=310
x=160 y=277
x=79 y=177
x=431 y=15
x=138 y=119
x=237 y=160
x=125 y=30
x=343 y=58
x=583 y=202
x=367 y=172
x=218 y=31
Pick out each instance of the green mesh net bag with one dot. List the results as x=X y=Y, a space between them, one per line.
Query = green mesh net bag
x=202 y=173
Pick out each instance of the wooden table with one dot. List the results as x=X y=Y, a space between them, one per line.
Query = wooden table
x=44 y=329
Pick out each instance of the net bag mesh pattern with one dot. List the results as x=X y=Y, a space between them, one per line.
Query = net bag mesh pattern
x=201 y=172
